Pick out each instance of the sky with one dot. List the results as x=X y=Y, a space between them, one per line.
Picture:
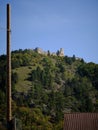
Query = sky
x=51 y=25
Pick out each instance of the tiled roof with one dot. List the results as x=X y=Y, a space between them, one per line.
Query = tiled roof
x=81 y=121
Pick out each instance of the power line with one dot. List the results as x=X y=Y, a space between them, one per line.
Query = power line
x=2 y=28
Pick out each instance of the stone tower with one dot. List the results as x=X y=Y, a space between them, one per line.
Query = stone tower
x=61 y=52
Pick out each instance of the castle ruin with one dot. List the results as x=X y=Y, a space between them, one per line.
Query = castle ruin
x=58 y=53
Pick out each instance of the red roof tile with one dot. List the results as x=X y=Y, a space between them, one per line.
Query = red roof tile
x=81 y=121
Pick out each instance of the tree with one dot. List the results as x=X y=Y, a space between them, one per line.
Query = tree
x=73 y=58
x=48 y=53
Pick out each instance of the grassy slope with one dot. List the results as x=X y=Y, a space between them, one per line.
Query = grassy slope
x=23 y=84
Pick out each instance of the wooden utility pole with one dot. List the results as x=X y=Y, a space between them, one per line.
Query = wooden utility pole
x=9 y=113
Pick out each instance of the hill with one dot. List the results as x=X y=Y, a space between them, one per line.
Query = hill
x=44 y=87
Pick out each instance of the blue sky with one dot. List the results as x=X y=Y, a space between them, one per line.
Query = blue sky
x=51 y=25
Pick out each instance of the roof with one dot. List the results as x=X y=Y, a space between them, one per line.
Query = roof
x=81 y=121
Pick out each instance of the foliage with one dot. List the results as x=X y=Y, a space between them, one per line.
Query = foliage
x=89 y=70
x=46 y=87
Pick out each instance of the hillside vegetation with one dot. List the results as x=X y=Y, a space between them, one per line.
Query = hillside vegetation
x=44 y=87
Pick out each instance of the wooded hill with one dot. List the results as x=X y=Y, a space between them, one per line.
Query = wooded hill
x=46 y=87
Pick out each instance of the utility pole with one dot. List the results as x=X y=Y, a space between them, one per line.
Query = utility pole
x=9 y=113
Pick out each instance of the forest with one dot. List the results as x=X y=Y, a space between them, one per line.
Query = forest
x=44 y=87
